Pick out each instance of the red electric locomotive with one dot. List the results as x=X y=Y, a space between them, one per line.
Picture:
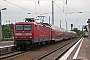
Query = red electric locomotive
x=27 y=34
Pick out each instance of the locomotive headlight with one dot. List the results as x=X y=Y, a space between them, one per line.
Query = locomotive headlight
x=28 y=34
x=15 y=37
x=30 y=37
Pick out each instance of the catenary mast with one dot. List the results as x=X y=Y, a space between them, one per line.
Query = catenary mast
x=52 y=13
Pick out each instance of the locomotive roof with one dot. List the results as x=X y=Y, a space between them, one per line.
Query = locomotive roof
x=56 y=28
x=44 y=24
x=25 y=22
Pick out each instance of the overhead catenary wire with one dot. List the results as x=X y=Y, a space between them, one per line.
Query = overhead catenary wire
x=61 y=10
x=66 y=6
x=15 y=12
x=18 y=6
x=46 y=10
x=34 y=12
x=40 y=5
x=63 y=13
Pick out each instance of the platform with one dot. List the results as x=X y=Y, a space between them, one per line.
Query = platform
x=6 y=47
x=5 y=43
x=80 y=51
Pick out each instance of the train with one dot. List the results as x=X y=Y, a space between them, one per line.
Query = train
x=29 y=34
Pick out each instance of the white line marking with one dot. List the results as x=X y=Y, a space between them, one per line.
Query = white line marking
x=6 y=41
x=69 y=51
x=6 y=46
x=76 y=54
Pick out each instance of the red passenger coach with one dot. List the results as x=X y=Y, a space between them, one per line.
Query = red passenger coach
x=56 y=33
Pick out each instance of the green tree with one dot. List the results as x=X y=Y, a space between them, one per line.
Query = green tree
x=7 y=32
x=12 y=27
x=77 y=31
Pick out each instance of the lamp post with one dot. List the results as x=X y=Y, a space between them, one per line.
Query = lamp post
x=1 y=24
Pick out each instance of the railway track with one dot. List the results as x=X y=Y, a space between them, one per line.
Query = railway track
x=48 y=52
x=10 y=55
x=57 y=53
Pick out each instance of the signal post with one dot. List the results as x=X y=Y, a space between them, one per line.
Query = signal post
x=88 y=27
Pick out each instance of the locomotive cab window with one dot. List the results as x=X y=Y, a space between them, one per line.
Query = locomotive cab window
x=27 y=27
x=19 y=27
x=23 y=27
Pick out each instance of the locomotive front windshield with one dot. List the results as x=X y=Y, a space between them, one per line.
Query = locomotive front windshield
x=19 y=27
x=23 y=27
x=27 y=27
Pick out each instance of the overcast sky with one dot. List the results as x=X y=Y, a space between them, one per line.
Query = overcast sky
x=17 y=11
